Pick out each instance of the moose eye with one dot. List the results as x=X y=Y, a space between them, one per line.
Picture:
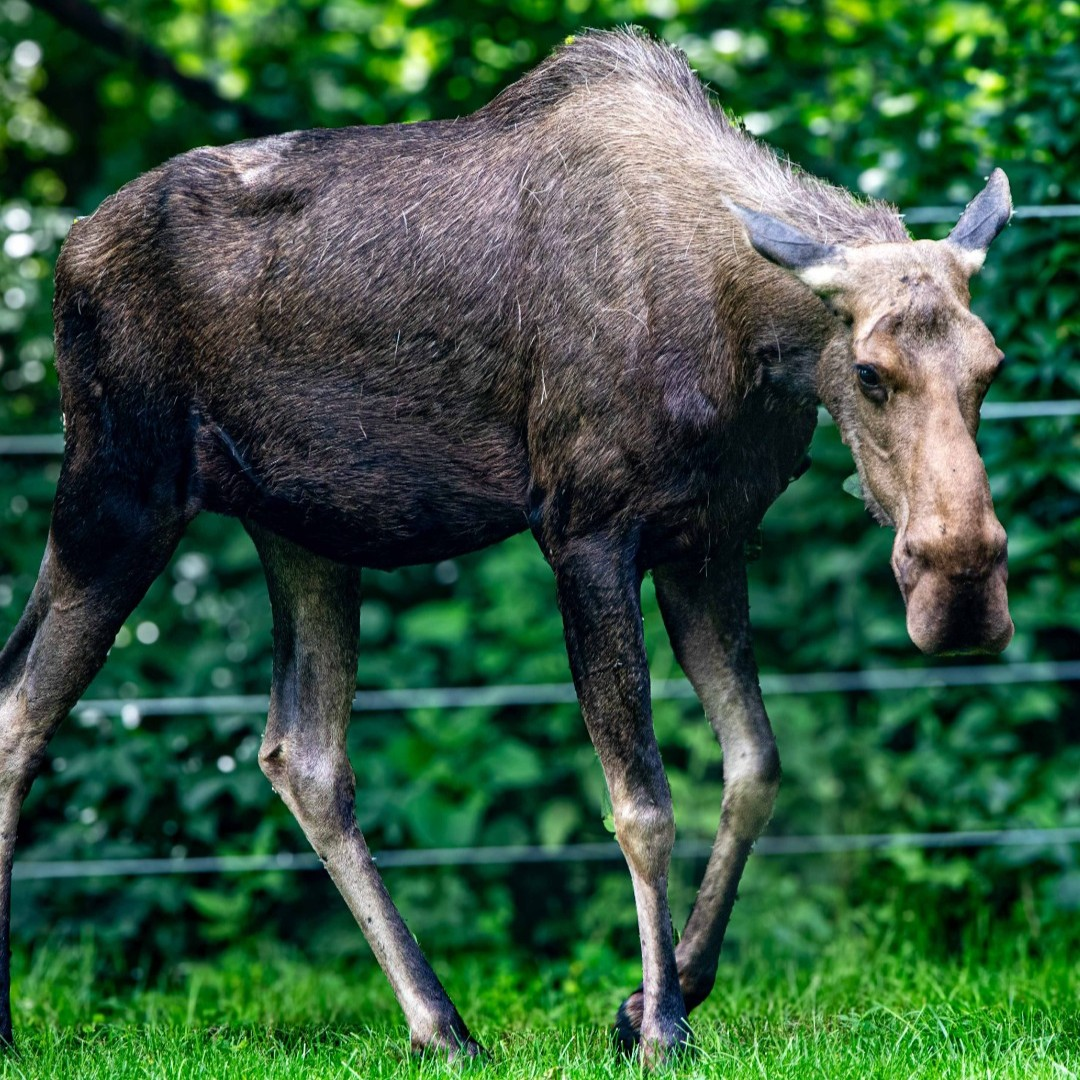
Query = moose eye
x=870 y=382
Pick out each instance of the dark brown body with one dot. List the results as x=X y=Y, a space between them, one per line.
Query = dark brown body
x=399 y=344
x=385 y=346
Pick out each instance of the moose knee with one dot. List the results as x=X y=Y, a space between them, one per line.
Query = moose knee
x=750 y=786
x=646 y=833
x=24 y=738
x=316 y=781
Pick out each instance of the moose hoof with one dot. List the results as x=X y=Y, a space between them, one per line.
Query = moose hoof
x=452 y=1043
x=469 y=1050
x=628 y=1021
x=655 y=1048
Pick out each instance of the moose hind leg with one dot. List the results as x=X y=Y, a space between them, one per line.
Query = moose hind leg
x=104 y=549
x=316 y=606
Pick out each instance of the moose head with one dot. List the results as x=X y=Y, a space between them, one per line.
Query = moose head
x=905 y=383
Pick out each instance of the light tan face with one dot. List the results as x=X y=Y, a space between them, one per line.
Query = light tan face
x=905 y=381
x=920 y=364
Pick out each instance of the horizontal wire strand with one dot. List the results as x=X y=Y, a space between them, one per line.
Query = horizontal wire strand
x=467 y=697
x=520 y=854
x=946 y=215
x=51 y=445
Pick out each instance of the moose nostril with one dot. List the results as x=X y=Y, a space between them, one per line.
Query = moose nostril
x=919 y=547
x=974 y=562
x=971 y=557
x=998 y=545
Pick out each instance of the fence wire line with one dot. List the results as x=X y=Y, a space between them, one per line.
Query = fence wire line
x=946 y=215
x=50 y=445
x=991 y=410
x=521 y=854
x=31 y=445
x=466 y=697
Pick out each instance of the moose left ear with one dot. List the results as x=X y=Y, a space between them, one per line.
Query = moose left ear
x=817 y=264
x=985 y=216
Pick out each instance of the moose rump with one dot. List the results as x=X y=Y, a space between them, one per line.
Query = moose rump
x=293 y=334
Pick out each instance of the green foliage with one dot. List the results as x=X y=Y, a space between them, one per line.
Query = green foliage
x=914 y=101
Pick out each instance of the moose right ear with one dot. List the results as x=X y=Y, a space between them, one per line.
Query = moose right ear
x=817 y=264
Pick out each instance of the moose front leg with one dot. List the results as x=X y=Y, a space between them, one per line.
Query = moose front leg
x=599 y=596
x=707 y=619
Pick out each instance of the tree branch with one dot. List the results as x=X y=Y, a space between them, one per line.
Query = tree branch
x=90 y=24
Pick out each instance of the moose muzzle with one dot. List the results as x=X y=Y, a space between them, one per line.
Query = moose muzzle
x=954 y=585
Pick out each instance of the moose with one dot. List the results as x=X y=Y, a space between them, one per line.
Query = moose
x=596 y=309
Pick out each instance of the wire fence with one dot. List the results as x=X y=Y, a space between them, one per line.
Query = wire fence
x=46 y=445
x=946 y=215
x=132 y=711
x=53 y=445
x=871 y=680
x=524 y=854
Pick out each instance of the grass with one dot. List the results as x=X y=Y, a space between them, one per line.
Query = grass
x=856 y=1011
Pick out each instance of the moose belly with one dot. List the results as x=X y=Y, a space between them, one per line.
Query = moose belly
x=382 y=495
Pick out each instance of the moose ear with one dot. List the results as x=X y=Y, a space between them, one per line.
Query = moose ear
x=818 y=264
x=985 y=216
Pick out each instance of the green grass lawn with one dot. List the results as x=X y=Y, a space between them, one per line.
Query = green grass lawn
x=855 y=1011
